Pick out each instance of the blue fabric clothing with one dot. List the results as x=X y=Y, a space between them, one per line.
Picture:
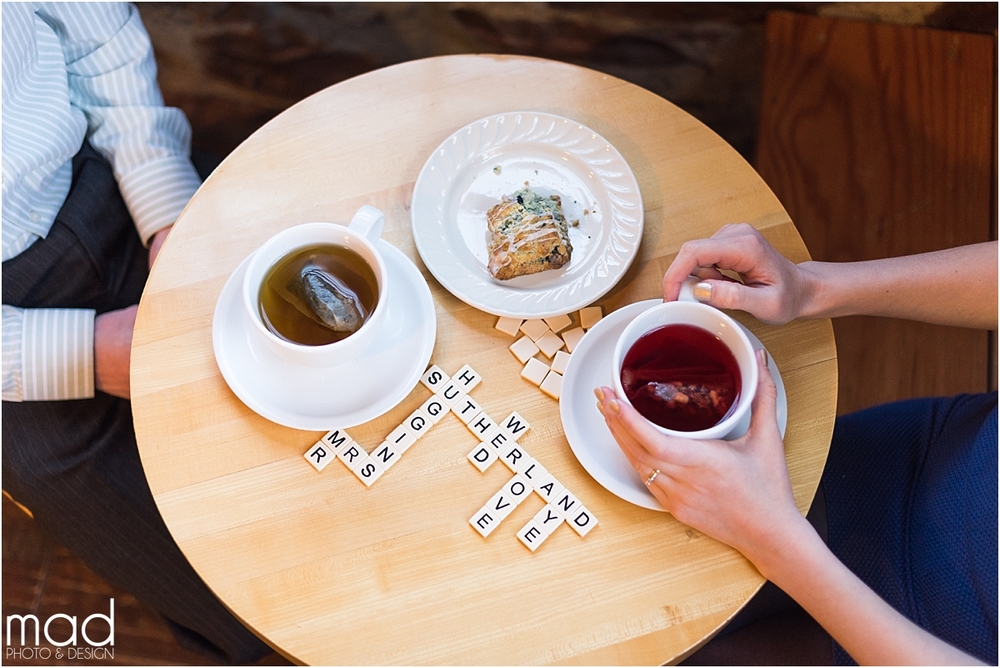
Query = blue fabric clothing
x=911 y=492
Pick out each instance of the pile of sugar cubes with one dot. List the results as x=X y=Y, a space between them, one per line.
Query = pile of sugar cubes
x=543 y=336
x=497 y=441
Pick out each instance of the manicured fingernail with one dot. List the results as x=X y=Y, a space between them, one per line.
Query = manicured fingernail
x=703 y=292
x=613 y=405
x=762 y=355
x=600 y=408
x=599 y=393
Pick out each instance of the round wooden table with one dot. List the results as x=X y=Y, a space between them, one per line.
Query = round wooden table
x=329 y=571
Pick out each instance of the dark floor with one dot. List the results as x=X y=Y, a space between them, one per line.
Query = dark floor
x=43 y=578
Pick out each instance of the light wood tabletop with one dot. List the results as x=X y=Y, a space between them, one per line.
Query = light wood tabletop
x=330 y=571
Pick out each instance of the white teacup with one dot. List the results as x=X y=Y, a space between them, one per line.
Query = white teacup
x=360 y=236
x=686 y=311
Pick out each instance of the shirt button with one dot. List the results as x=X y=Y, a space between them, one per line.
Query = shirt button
x=35 y=216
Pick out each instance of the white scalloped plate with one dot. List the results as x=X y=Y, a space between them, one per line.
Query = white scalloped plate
x=472 y=169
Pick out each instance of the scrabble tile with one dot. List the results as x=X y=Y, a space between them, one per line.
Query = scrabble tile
x=450 y=393
x=517 y=489
x=368 y=471
x=484 y=522
x=482 y=456
x=385 y=455
x=434 y=378
x=590 y=316
x=513 y=456
x=548 y=488
x=566 y=504
x=481 y=425
x=531 y=536
x=418 y=422
x=560 y=361
x=534 y=329
x=500 y=505
x=467 y=378
x=549 y=343
x=547 y=519
x=524 y=349
x=534 y=371
x=515 y=425
x=509 y=326
x=497 y=438
x=558 y=323
x=552 y=385
x=434 y=408
x=582 y=520
x=572 y=338
x=466 y=409
x=336 y=439
x=533 y=471
x=351 y=455
x=320 y=455
x=401 y=438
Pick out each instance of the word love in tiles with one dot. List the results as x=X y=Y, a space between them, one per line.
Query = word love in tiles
x=370 y=466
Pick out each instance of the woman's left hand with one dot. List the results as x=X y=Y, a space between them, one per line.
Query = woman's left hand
x=737 y=492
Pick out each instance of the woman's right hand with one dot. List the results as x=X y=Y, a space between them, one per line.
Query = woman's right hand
x=773 y=289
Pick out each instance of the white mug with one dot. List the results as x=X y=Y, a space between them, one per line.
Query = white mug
x=360 y=236
x=687 y=311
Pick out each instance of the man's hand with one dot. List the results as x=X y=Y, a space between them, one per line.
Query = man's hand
x=156 y=242
x=113 y=350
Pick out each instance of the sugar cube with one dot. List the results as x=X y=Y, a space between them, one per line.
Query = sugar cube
x=549 y=343
x=534 y=328
x=590 y=315
x=560 y=362
x=572 y=338
x=535 y=371
x=524 y=349
x=552 y=385
x=509 y=325
x=558 y=323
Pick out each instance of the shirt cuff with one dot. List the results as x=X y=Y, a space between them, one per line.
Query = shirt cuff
x=158 y=191
x=57 y=354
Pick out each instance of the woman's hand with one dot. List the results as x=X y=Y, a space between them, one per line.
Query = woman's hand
x=737 y=492
x=773 y=288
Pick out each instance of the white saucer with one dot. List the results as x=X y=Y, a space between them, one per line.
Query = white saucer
x=355 y=392
x=588 y=435
x=496 y=156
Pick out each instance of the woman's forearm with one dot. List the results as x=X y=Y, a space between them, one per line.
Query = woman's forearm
x=867 y=627
x=956 y=287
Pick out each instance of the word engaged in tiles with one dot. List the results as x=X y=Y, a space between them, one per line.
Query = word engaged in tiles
x=547 y=336
x=497 y=441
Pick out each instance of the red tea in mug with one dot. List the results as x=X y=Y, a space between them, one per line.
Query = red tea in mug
x=681 y=377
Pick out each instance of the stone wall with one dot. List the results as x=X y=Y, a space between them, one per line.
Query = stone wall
x=233 y=66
